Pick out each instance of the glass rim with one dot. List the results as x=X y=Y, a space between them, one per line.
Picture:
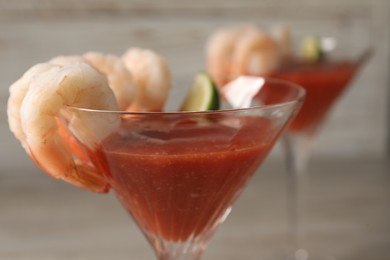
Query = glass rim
x=301 y=93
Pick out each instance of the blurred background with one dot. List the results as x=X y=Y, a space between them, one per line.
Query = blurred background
x=46 y=219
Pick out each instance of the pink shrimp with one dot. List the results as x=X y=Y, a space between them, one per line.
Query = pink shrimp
x=151 y=76
x=33 y=109
x=255 y=54
x=119 y=77
x=220 y=49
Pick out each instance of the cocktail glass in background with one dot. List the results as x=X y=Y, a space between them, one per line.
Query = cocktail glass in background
x=324 y=81
x=325 y=68
x=179 y=173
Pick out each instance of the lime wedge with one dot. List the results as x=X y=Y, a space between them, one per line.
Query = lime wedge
x=202 y=96
x=311 y=48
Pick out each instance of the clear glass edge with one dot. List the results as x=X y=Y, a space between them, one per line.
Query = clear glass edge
x=300 y=98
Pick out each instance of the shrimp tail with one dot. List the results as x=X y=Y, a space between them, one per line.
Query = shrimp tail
x=82 y=174
x=86 y=177
x=79 y=171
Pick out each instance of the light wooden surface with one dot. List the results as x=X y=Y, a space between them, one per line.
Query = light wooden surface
x=33 y=31
x=349 y=216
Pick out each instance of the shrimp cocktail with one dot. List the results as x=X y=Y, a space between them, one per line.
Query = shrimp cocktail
x=249 y=50
x=97 y=121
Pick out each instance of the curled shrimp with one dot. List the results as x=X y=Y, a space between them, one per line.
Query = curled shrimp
x=18 y=91
x=119 y=77
x=220 y=49
x=256 y=54
x=151 y=76
x=48 y=92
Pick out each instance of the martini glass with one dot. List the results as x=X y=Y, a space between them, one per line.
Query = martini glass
x=324 y=81
x=178 y=173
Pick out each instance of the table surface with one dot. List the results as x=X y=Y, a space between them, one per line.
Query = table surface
x=349 y=214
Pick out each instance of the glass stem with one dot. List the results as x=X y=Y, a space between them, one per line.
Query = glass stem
x=297 y=149
x=179 y=251
x=169 y=256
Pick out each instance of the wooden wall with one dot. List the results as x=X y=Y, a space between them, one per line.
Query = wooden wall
x=33 y=31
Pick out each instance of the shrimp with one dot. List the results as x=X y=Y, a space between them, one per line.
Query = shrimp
x=72 y=143
x=18 y=91
x=151 y=76
x=220 y=49
x=67 y=60
x=50 y=91
x=256 y=54
x=119 y=77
